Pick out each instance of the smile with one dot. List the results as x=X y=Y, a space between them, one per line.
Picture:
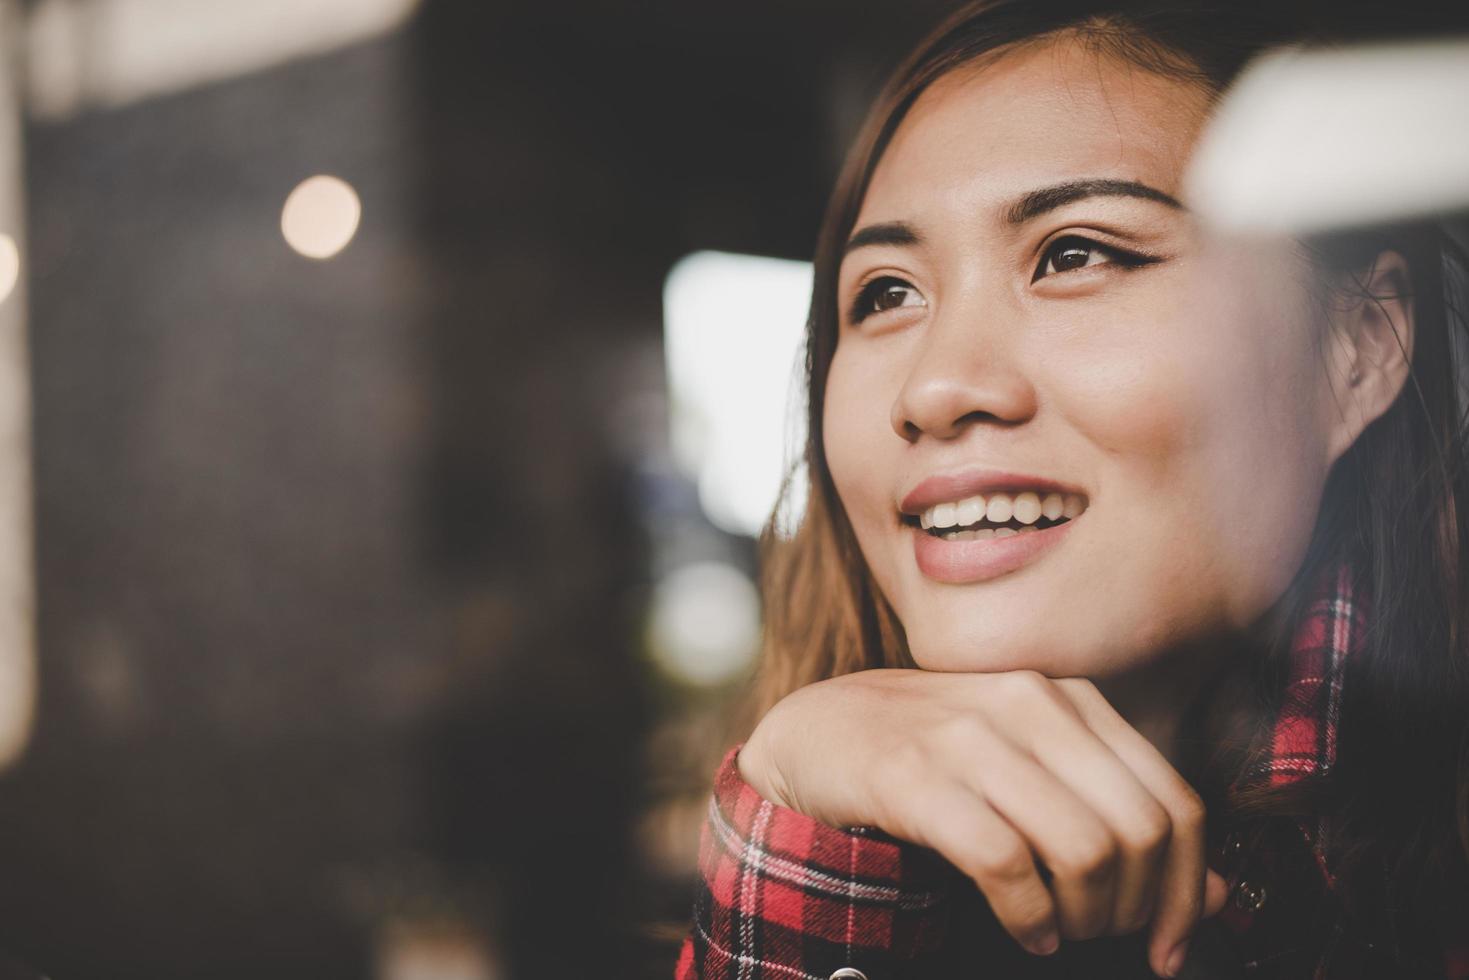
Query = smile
x=998 y=515
x=983 y=537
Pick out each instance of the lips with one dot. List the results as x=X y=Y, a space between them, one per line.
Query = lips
x=977 y=556
x=953 y=487
x=965 y=562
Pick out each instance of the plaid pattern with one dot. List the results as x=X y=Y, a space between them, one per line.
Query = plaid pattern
x=1303 y=738
x=784 y=897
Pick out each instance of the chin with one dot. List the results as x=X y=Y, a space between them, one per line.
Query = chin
x=969 y=645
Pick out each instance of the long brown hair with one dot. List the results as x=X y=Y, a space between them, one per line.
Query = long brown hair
x=1390 y=506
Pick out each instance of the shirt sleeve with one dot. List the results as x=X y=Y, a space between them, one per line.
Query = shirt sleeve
x=782 y=895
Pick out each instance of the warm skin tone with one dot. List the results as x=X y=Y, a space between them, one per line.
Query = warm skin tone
x=1195 y=397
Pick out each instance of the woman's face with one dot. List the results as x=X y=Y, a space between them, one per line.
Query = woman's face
x=1041 y=316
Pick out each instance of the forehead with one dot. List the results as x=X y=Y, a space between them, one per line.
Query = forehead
x=1033 y=116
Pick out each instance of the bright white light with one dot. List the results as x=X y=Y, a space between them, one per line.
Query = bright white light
x=9 y=265
x=320 y=216
x=115 y=52
x=705 y=625
x=1314 y=140
x=733 y=328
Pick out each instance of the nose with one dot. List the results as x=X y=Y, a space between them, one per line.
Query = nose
x=966 y=368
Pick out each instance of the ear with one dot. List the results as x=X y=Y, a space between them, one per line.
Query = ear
x=1371 y=331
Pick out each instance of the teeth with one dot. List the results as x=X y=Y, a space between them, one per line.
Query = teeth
x=1027 y=507
x=975 y=534
x=971 y=511
x=1005 y=532
x=1000 y=508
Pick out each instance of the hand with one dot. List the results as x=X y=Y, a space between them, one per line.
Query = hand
x=998 y=772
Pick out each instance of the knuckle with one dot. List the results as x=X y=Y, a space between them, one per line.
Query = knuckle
x=1021 y=692
x=1029 y=924
x=1004 y=865
x=1027 y=683
x=1081 y=686
x=1188 y=809
x=1088 y=859
x=963 y=729
x=1136 y=919
x=1087 y=923
x=1135 y=922
x=1150 y=831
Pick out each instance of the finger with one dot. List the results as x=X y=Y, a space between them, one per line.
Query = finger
x=1216 y=893
x=1180 y=901
x=1075 y=844
x=948 y=817
x=1093 y=770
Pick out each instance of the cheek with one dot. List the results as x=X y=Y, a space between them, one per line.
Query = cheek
x=853 y=429
x=862 y=453
x=1205 y=429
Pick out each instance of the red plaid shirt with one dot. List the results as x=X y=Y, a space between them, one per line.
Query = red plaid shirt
x=784 y=897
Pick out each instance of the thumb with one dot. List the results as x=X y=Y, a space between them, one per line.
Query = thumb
x=1216 y=893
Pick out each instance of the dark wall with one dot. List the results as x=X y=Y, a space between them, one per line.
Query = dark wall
x=340 y=563
x=236 y=641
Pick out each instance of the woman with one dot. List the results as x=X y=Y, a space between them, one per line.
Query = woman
x=1123 y=630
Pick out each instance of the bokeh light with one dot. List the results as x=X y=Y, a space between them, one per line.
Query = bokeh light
x=321 y=216
x=9 y=266
x=733 y=328
x=705 y=622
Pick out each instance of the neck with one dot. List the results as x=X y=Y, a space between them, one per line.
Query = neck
x=1158 y=698
x=1195 y=699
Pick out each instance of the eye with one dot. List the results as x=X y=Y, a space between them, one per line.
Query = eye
x=1074 y=252
x=882 y=294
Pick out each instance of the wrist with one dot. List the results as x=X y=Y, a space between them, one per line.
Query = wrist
x=755 y=769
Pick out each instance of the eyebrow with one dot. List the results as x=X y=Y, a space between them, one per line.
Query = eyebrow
x=1038 y=202
x=887 y=233
x=1031 y=205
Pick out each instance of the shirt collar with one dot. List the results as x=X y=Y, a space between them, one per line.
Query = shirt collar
x=1301 y=741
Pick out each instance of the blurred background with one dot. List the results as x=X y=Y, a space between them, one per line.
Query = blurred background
x=373 y=581
x=390 y=394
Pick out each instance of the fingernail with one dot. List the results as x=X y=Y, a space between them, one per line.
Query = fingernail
x=1175 y=959
x=1047 y=945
